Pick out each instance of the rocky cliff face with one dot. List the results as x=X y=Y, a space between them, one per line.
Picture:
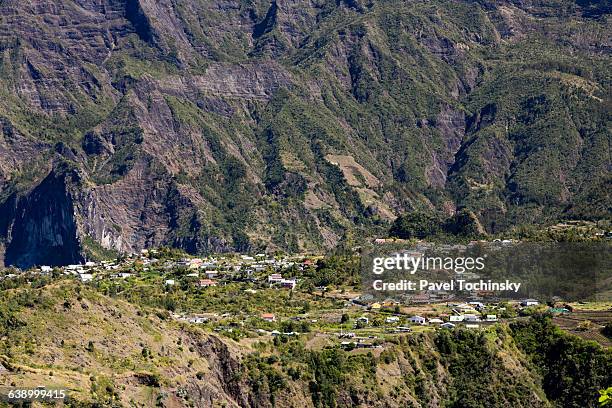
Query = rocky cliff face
x=42 y=224
x=216 y=126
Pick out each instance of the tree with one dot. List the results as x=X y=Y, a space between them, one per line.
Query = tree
x=308 y=286
x=605 y=398
x=464 y=223
x=415 y=225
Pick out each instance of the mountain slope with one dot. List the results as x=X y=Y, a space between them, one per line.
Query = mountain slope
x=130 y=355
x=216 y=126
x=107 y=352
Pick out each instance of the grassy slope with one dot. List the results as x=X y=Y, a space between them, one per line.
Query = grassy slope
x=51 y=346
x=136 y=357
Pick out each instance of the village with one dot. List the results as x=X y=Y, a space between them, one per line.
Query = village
x=256 y=296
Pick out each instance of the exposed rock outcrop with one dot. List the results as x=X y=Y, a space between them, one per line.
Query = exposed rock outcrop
x=43 y=230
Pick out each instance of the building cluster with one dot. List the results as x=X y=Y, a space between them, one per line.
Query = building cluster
x=200 y=272
x=471 y=314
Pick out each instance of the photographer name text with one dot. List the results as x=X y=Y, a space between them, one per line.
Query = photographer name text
x=405 y=285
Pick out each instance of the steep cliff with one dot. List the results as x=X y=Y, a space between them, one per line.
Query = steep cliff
x=43 y=228
x=216 y=126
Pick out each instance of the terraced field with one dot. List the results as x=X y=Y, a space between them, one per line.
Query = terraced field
x=586 y=324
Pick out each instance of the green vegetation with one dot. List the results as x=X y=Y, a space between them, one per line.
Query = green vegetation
x=415 y=225
x=605 y=399
x=571 y=368
x=96 y=252
x=474 y=362
x=421 y=225
x=127 y=338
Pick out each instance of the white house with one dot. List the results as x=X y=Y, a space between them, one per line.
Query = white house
x=447 y=325
x=456 y=318
x=197 y=320
x=529 y=302
x=211 y=274
x=491 y=318
x=435 y=320
x=471 y=318
x=288 y=283
x=169 y=282
x=392 y=319
x=464 y=307
x=418 y=320
x=86 y=277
